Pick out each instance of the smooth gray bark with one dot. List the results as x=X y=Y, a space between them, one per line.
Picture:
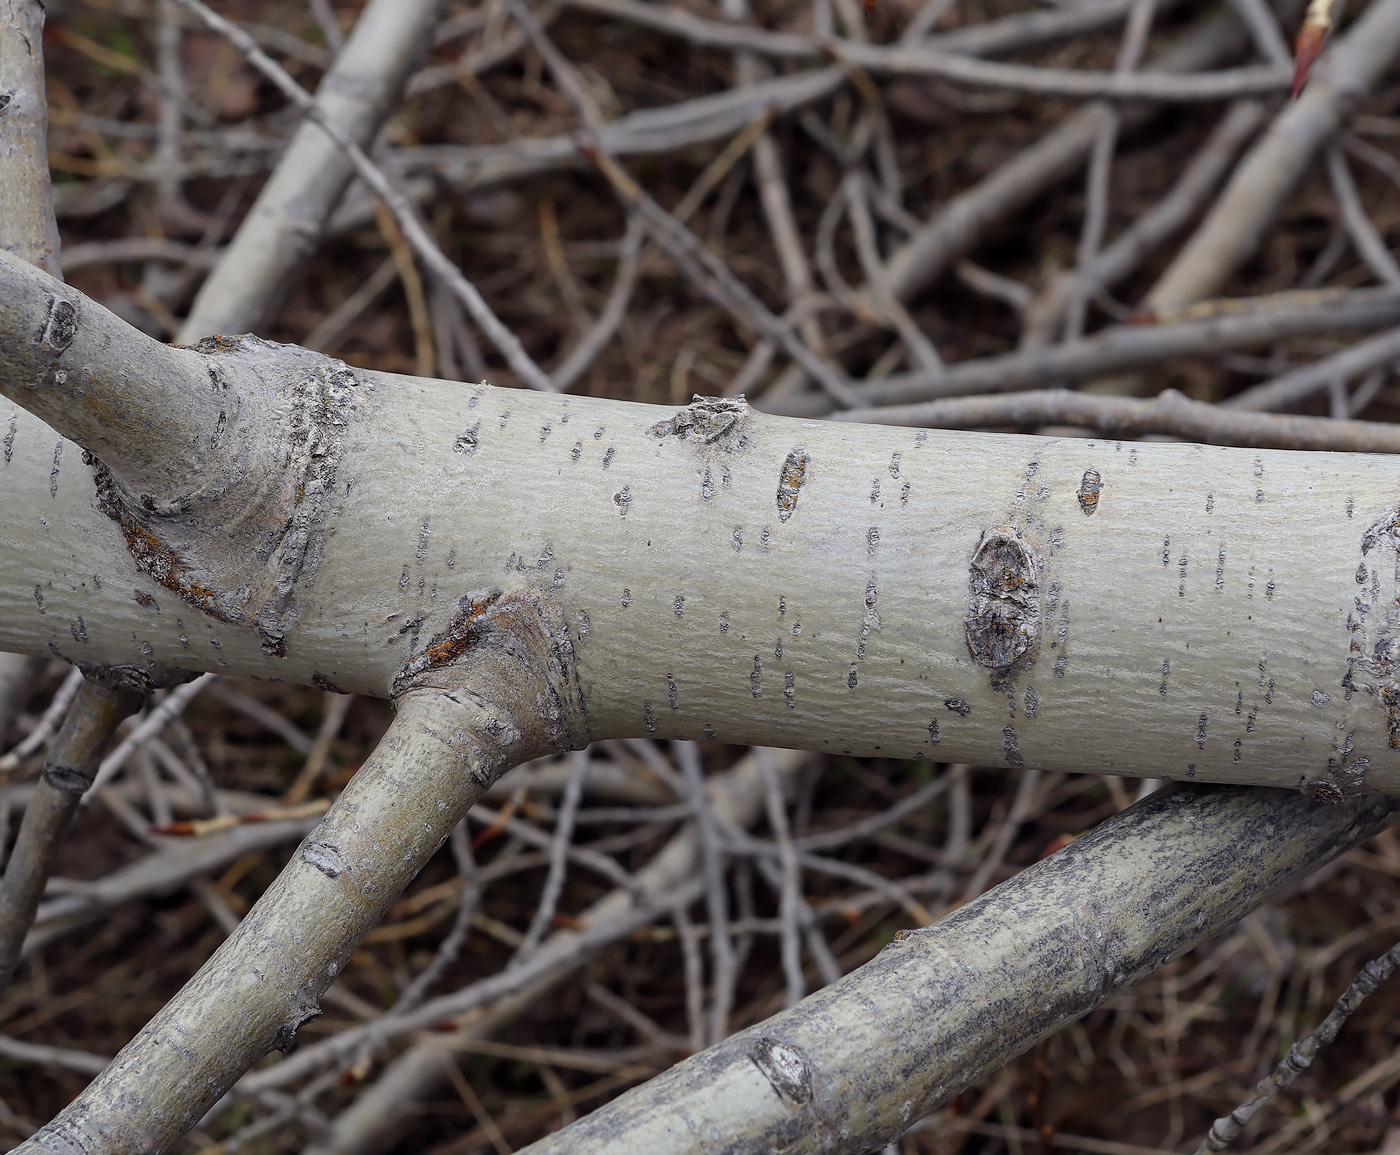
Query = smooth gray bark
x=458 y=727
x=1157 y=610
x=27 y=225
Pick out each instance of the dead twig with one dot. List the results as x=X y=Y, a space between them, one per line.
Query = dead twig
x=1168 y=413
x=1302 y=1053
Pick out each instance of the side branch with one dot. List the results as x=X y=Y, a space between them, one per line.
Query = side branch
x=88 y=374
x=68 y=772
x=852 y=1066
x=497 y=692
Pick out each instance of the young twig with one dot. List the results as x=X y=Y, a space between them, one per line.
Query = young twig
x=1345 y=365
x=1130 y=51
x=791 y=889
x=1225 y=325
x=285 y=225
x=960 y=224
x=1364 y=235
x=169 y=708
x=49 y=723
x=1300 y=1056
x=722 y=962
x=1182 y=204
x=707 y=270
x=1264 y=179
x=925 y=356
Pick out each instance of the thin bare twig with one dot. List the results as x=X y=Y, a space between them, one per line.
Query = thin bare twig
x=1130 y=51
x=922 y=60
x=1290 y=388
x=48 y=725
x=1364 y=235
x=1168 y=413
x=708 y=271
x=1231 y=232
x=1217 y=327
x=722 y=961
x=1182 y=204
x=1302 y=1053
x=558 y=859
x=791 y=890
x=68 y=772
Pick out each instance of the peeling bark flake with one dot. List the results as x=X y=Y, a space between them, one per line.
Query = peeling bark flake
x=1089 y=489
x=790 y=481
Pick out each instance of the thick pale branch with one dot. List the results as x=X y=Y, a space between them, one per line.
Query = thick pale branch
x=852 y=1066
x=759 y=579
x=503 y=694
x=27 y=225
x=1350 y=68
x=285 y=224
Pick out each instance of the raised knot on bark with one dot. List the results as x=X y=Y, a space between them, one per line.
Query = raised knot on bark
x=507 y=657
x=246 y=536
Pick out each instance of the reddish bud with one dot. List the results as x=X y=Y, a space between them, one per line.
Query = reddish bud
x=1305 y=53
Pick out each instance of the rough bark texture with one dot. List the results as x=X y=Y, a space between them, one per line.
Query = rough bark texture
x=850 y=1067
